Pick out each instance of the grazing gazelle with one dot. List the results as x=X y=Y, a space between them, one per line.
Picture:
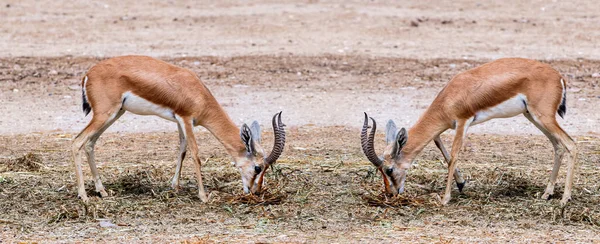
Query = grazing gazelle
x=147 y=86
x=500 y=89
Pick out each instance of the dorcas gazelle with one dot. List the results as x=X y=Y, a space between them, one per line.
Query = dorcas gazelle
x=499 y=89
x=147 y=86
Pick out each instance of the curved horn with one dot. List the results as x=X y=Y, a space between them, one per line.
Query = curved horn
x=279 y=133
x=368 y=144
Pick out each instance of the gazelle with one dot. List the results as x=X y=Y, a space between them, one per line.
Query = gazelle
x=499 y=89
x=147 y=86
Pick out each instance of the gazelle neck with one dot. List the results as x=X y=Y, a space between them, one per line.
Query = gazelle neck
x=222 y=127
x=425 y=130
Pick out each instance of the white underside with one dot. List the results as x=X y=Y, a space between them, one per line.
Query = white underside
x=506 y=109
x=141 y=106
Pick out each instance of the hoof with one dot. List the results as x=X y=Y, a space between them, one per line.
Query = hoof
x=564 y=201
x=546 y=196
x=461 y=186
x=83 y=198
x=444 y=201
x=203 y=198
x=102 y=194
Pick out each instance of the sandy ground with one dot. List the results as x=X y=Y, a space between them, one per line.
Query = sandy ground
x=324 y=179
x=315 y=91
x=321 y=62
x=445 y=29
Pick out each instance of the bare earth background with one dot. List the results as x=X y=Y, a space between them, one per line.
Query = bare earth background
x=323 y=63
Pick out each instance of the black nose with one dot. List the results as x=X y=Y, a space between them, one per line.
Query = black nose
x=257 y=169
x=389 y=171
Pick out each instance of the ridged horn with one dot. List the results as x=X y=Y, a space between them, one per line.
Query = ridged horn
x=367 y=142
x=279 y=134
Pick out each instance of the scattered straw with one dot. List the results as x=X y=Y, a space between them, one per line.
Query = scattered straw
x=30 y=162
x=384 y=200
x=273 y=195
x=265 y=198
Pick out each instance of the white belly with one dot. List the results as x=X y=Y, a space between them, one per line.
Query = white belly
x=138 y=105
x=509 y=108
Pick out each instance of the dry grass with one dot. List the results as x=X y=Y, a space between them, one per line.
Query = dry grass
x=320 y=187
x=29 y=162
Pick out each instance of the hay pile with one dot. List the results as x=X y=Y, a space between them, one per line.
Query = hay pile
x=29 y=162
x=274 y=195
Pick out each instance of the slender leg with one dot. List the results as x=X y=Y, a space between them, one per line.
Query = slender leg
x=460 y=181
x=89 y=150
x=186 y=123
x=561 y=141
x=559 y=151
x=98 y=120
x=571 y=146
x=182 y=152
x=461 y=131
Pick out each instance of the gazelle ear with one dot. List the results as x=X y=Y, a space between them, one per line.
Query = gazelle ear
x=246 y=136
x=401 y=139
x=255 y=129
x=390 y=132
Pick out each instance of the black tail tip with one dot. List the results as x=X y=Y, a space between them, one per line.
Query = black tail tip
x=562 y=108
x=85 y=104
x=86 y=108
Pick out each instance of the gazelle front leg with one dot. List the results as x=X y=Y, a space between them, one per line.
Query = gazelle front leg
x=186 y=123
x=460 y=181
x=461 y=131
x=182 y=152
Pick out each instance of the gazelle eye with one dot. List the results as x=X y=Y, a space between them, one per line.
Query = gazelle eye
x=257 y=169
x=389 y=171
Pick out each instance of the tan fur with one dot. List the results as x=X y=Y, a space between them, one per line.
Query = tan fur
x=487 y=86
x=162 y=84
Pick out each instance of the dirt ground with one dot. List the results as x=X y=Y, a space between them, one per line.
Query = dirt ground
x=321 y=62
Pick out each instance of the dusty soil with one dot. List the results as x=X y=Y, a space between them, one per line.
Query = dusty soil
x=317 y=91
x=325 y=178
x=323 y=63
x=415 y=29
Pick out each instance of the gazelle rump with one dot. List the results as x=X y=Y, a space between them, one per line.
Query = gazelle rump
x=147 y=86
x=499 y=89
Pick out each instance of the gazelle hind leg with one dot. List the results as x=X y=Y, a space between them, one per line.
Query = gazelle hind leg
x=460 y=181
x=89 y=150
x=559 y=152
x=182 y=152
x=78 y=142
x=552 y=127
x=186 y=123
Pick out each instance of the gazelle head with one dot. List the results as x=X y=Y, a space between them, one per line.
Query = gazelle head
x=254 y=163
x=393 y=166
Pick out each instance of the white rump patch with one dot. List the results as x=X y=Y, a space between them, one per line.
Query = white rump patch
x=141 y=106
x=84 y=87
x=564 y=91
x=509 y=108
